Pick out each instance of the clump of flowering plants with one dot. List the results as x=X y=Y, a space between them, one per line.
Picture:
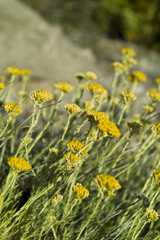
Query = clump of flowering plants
x=91 y=171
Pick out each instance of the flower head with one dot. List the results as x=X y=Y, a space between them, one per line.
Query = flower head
x=72 y=108
x=90 y=76
x=80 y=76
x=25 y=72
x=152 y=215
x=128 y=51
x=157 y=127
x=107 y=183
x=72 y=160
x=157 y=80
x=14 y=71
x=76 y=146
x=137 y=77
x=41 y=96
x=128 y=96
x=108 y=128
x=2 y=86
x=12 y=109
x=19 y=164
x=156 y=175
x=97 y=91
x=148 y=108
x=63 y=86
x=95 y=116
x=80 y=191
x=119 y=67
x=153 y=95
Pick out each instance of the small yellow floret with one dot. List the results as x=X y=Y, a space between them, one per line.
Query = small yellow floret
x=72 y=108
x=137 y=77
x=148 y=108
x=72 y=160
x=76 y=146
x=90 y=76
x=19 y=164
x=80 y=76
x=153 y=95
x=12 y=109
x=107 y=183
x=95 y=116
x=63 y=86
x=152 y=215
x=108 y=128
x=14 y=71
x=128 y=96
x=2 y=86
x=128 y=51
x=80 y=191
x=118 y=66
x=97 y=91
x=156 y=175
x=41 y=96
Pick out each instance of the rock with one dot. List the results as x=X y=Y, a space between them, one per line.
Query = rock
x=28 y=41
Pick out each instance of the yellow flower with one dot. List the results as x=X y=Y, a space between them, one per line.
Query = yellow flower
x=90 y=76
x=72 y=160
x=128 y=96
x=14 y=71
x=1 y=86
x=95 y=116
x=53 y=150
x=97 y=91
x=118 y=65
x=108 y=128
x=153 y=95
x=58 y=198
x=152 y=215
x=107 y=183
x=76 y=146
x=12 y=109
x=148 y=108
x=158 y=127
x=137 y=77
x=156 y=175
x=130 y=62
x=80 y=191
x=25 y=72
x=157 y=80
x=128 y=51
x=19 y=164
x=72 y=108
x=80 y=76
x=63 y=86
x=41 y=96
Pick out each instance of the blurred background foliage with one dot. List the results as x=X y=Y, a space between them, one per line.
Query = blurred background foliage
x=131 y=20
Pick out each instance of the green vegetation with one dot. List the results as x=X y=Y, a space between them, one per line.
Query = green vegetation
x=137 y=21
x=88 y=169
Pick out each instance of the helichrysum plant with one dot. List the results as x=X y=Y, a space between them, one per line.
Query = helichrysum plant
x=85 y=169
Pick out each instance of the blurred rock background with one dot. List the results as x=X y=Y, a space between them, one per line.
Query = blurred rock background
x=56 y=38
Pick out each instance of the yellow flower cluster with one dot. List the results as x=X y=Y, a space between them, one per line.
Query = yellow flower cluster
x=156 y=175
x=18 y=72
x=19 y=164
x=108 y=128
x=153 y=95
x=12 y=109
x=76 y=146
x=118 y=66
x=72 y=108
x=90 y=76
x=97 y=91
x=80 y=191
x=152 y=215
x=128 y=96
x=58 y=198
x=158 y=127
x=128 y=51
x=41 y=96
x=95 y=116
x=148 y=108
x=107 y=183
x=72 y=160
x=137 y=77
x=63 y=86
x=157 y=80
x=130 y=62
x=2 y=86
x=53 y=150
